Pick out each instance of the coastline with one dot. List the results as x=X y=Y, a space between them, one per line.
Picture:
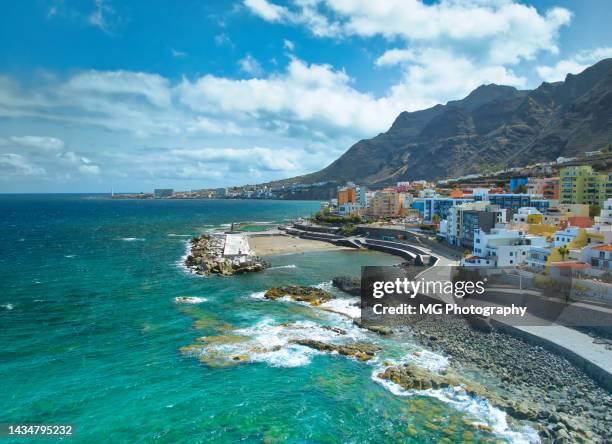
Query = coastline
x=525 y=380
x=279 y=244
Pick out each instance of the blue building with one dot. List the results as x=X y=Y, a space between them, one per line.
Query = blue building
x=419 y=204
x=439 y=206
x=516 y=182
x=516 y=201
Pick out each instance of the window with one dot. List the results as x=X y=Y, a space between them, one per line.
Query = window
x=511 y=261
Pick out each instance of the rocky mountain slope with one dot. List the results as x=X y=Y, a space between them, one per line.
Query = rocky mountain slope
x=494 y=126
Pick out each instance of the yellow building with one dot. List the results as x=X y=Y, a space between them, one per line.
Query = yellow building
x=582 y=185
x=386 y=203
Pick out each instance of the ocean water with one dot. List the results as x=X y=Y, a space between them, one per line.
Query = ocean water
x=91 y=335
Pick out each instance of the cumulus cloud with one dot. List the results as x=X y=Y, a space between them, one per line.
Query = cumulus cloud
x=250 y=65
x=42 y=156
x=574 y=64
x=304 y=115
x=267 y=10
x=506 y=30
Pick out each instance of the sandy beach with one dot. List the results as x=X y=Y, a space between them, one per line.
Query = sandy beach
x=271 y=245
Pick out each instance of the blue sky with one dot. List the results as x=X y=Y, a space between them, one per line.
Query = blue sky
x=134 y=95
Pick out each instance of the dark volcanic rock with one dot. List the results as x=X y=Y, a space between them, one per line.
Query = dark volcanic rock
x=361 y=351
x=348 y=284
x=314 y=296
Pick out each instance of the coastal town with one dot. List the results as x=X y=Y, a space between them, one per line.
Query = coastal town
x=546 y=219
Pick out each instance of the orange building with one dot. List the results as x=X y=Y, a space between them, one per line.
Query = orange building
x=456 y=193
x=347 y=195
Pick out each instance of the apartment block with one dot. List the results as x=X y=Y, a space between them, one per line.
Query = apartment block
x=386 y=203
x=439 y=206
x=465 y=219
x=515 y=201
x=547 y=187
x=502 y=248
x=582 y=185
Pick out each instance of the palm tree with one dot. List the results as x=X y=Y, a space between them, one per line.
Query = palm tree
x=563 y=251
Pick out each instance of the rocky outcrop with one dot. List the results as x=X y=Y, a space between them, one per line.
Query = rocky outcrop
x=348 y=284
x=380 y=329
x=206 y=257
x=362 y=351
x=553 y=425
x=314 y=296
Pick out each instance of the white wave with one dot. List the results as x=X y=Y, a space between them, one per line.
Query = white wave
x=178 y=235
x=131 y=239
x=326 y=286
x=274 y=344
x=480 y=409
x=429 y=360
x=181 y=262
x=346 y=306
x=259 y=295
x=189 y=300
x=69 y=256
x=7 y=306
x=282 y=266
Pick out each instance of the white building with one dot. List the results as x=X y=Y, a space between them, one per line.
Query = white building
x=428 y=193
x=502 y=248
x=603 y=222
x=482 y=192
x=537 y=257
x=564 y=237
x=522 y=216
x=349 y=208
x=598 y=256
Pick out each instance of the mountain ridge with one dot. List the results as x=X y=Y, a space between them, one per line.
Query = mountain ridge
x=493 y=126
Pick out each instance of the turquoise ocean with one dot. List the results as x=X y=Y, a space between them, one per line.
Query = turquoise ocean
x=91 y=335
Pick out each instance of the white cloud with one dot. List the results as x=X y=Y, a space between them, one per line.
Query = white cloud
x=505 y=30
x=288 y=45
x=250 y=65
x=395 y=57
x=574 y=64
x=437 y=74
x=99 y=16
x=43 y=143
x=12 y=165
x=267 y=10
x=222 y=39
x=313 y=94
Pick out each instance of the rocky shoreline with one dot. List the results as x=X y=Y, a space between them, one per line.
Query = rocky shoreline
x=314 y=296
x=207 y=257
x=527 y=381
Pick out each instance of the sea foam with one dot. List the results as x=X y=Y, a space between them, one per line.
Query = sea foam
x=480 y=409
